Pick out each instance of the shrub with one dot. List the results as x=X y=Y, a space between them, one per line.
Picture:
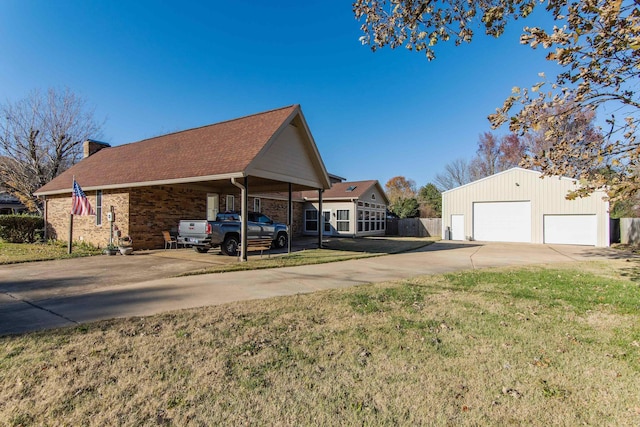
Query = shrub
x=21 y=228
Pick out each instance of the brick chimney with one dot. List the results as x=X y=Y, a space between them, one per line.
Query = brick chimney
x=91 y=147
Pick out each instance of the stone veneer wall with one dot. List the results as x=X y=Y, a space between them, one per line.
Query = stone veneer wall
x=144 y=212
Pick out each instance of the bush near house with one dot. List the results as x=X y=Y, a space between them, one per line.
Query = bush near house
x=20 y=228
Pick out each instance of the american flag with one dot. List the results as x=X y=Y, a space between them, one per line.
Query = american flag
x=80 y=203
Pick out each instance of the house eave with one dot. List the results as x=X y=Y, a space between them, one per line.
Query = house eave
x=147 y=183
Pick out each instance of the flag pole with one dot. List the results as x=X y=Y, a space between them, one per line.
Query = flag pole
x=70 y=244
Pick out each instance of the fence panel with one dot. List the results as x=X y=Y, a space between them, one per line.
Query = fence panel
x=414 y=227
x=630 y=231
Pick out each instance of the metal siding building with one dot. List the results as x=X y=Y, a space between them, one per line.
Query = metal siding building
x=518 y=205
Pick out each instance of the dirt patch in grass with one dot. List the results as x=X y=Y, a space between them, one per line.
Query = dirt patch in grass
x=499 y=347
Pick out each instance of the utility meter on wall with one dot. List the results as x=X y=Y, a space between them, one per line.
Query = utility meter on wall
x=111 y=216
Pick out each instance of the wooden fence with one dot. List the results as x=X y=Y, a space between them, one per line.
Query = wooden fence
x=630 y=231
x=414 y=227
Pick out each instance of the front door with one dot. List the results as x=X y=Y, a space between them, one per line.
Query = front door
x=213 y=206
x=326 y=220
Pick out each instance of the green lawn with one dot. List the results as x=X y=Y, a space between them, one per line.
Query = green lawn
x=11 y=253
x=333 y=251
x=528 y=346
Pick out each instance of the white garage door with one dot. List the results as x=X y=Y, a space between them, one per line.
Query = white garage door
x=571 y=229
x=502 y=221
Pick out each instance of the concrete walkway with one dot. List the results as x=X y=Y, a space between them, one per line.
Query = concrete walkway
x=32 y=308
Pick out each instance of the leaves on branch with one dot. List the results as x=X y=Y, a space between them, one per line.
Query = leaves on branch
x=596 y=42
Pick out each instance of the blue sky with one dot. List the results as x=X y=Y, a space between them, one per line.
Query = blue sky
x=152 y=67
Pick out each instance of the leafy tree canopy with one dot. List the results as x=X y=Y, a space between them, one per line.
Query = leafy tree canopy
x=406 y=208
x=430 y=196
x=597 y=44
x=402 y=196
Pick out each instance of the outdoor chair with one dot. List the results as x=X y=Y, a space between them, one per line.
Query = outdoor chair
x=169 y=240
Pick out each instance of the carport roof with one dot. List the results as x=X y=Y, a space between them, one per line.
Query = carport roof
x=215 y=152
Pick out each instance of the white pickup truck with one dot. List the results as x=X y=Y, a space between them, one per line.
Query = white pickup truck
x=203 y=235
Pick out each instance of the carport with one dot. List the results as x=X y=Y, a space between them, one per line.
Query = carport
x=149 y=185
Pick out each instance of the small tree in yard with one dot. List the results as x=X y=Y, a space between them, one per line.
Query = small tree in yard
x=402 y=197
x=430 y=201
x=595 y=42
x=40 y=137
x=406 y=208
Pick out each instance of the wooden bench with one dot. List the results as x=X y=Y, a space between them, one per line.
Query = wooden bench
x=261 y=244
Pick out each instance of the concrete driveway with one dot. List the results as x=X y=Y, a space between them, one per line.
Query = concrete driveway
x=68 y=292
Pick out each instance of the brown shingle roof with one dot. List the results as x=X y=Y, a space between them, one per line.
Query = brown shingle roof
x=219 y=149
x=340 y=190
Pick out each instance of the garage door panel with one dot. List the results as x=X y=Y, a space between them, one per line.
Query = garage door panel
x=571 y=229
x=502 y=221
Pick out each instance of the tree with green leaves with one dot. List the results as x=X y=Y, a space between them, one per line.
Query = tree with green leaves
x=430 y=199
x=401 y=193
x=595 y=42
x=40 y=137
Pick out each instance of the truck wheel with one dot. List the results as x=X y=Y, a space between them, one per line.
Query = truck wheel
x=281 y=240
x=230 y=246
x=201 y=250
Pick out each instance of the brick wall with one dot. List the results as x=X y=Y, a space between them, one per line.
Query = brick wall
x=85 y=228
x=277 y=211
x=144 y=212
x=154 y=209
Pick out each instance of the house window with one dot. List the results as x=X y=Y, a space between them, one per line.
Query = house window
x=256 y=205
x=311 y=220
x=230 y=200
x=366 y=220
x=373 y=197
x=342 y=220
x=360 y=220
x=98 y=207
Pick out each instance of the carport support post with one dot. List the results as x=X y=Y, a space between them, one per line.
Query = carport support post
x=245 y=219
x=289 y=220
x=243 y=216
x=320 y=218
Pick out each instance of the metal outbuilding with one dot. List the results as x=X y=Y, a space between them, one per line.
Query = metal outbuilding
x=520 y=205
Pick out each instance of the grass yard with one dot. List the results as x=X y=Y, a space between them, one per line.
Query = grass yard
x=532 y=346
x=11 y=253
x=335 y=250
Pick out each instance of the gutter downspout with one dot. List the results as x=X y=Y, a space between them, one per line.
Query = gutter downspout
x=243 y=217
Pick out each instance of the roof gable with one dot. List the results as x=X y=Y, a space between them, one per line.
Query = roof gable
x=349 y=190
x=291 y=156
x=217 y=151
x=490 y=177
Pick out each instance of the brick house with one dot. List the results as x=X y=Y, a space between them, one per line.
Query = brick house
x=148 y=186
